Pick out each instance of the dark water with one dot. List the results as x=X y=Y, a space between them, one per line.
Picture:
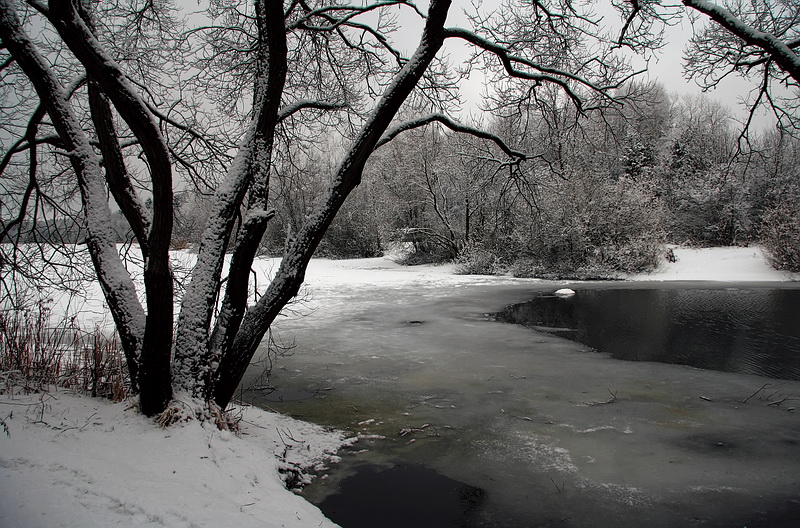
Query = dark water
x=401 y=496
x=511 y=428
x=754 y=331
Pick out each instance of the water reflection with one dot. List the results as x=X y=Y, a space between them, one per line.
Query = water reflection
x=752 y=331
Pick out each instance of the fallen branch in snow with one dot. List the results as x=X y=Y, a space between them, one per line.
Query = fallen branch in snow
x=558 y=490
x=775 y=398
x=612 y=399
x=5 y=425
x=784 y=399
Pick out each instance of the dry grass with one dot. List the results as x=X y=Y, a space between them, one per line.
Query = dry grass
x=35 y=354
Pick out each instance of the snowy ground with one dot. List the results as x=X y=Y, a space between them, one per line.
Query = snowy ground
x=74 y=461
x=67 y=460
x=741 y=264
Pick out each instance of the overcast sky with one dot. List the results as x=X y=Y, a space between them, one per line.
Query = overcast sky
x=665 y=68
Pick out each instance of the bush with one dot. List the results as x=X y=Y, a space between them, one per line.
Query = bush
x=780 y=236
x=477 y=261
x=595 y=228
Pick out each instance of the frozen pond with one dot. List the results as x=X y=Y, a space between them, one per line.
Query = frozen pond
x=528 y=428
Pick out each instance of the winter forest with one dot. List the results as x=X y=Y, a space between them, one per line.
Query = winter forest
x=236 y=129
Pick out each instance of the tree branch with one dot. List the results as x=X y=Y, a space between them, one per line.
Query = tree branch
x=119 y=182
x=545 y=73
x=293 y=108
x=452 y=125
x=781 y=52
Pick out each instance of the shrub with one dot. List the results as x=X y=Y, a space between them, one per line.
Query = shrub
x=595 y=228
x=477 y=261
x=780 y=236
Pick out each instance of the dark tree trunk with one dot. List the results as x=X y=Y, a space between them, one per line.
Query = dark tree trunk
x=154 y=365
x=291 y=273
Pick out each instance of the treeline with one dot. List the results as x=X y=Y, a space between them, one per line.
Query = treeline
x=597 y=196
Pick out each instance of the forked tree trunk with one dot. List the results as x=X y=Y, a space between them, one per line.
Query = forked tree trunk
x=208 y=366
x=291 y=273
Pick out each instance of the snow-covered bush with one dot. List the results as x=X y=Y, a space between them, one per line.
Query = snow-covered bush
x=477 y=261
x=595 y=227
x=780 y=236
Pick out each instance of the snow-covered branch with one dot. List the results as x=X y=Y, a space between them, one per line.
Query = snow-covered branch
x=452 y=125
x=781 y=52
x=534 y=71
x=292 y=108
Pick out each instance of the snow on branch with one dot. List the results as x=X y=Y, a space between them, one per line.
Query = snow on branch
x=305 y=104
x=782 y=53
x=452 y=125
x=540 y=73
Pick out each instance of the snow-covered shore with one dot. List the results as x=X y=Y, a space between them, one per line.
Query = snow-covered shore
x=739 y=264
x=68 y=460
x=74 y=461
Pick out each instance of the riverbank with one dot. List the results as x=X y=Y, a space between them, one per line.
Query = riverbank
x=68 y=460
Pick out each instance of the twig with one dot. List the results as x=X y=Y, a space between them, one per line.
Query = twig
x=778 y=402
x=764 y=386
x=5 y=425
x=409 y=430
x=612 y=399
x=87 y=422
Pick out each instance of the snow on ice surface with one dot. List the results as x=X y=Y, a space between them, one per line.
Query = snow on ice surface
x=74 y=461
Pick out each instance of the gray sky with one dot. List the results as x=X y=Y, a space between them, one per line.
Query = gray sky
x=665 y=68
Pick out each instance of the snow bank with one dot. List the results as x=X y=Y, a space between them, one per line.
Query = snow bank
x=740 y=264
x=67 y=460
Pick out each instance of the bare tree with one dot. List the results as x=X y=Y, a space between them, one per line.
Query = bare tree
x=304 y=66
x=757 y=39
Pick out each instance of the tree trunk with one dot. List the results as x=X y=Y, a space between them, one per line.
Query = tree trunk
x=154 y=366
x=291 y=272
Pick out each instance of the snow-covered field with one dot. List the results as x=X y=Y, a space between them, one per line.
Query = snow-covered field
x=68 y=460
x=741 y=264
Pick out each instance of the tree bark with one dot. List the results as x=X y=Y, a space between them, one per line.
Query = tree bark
x=271 y=79
x=291 y=272
x=154 y=365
